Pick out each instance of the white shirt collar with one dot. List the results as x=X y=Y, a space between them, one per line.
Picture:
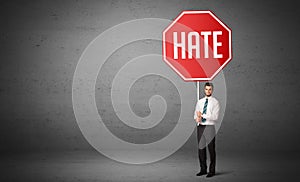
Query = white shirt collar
x=208 y=97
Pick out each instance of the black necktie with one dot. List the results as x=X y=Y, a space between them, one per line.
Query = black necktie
x=204 y=109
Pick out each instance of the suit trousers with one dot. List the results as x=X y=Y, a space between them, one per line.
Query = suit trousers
x=206 y=134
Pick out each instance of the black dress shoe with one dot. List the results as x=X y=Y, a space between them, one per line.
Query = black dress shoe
x=209 y=175
x=201 y=173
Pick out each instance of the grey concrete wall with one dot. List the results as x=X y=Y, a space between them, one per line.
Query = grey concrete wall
x=41 y=43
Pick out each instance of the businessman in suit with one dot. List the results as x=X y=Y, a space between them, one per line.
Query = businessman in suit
x=206 y=114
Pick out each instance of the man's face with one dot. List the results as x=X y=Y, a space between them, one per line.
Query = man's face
x=208 y=91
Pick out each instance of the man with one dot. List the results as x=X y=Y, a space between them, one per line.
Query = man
x=206 y=115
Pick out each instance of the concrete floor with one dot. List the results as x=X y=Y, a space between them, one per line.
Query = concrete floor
x=181 y=166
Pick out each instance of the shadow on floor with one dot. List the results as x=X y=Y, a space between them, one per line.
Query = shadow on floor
x=223 y=173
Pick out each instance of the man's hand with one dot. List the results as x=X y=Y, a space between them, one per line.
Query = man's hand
x=199 y=116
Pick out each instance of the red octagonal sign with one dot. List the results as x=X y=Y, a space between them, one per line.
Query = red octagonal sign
x=197 y=45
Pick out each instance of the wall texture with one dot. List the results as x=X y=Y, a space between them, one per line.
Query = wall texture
x=41 y=43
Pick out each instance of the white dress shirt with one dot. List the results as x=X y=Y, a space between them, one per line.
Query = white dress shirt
x=212 y=111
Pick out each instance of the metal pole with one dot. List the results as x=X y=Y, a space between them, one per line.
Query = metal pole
x=198 y=90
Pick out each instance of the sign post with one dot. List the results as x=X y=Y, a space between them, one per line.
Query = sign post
x=198 y=90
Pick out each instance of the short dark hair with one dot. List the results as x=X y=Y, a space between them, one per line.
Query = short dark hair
x=209 y=84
